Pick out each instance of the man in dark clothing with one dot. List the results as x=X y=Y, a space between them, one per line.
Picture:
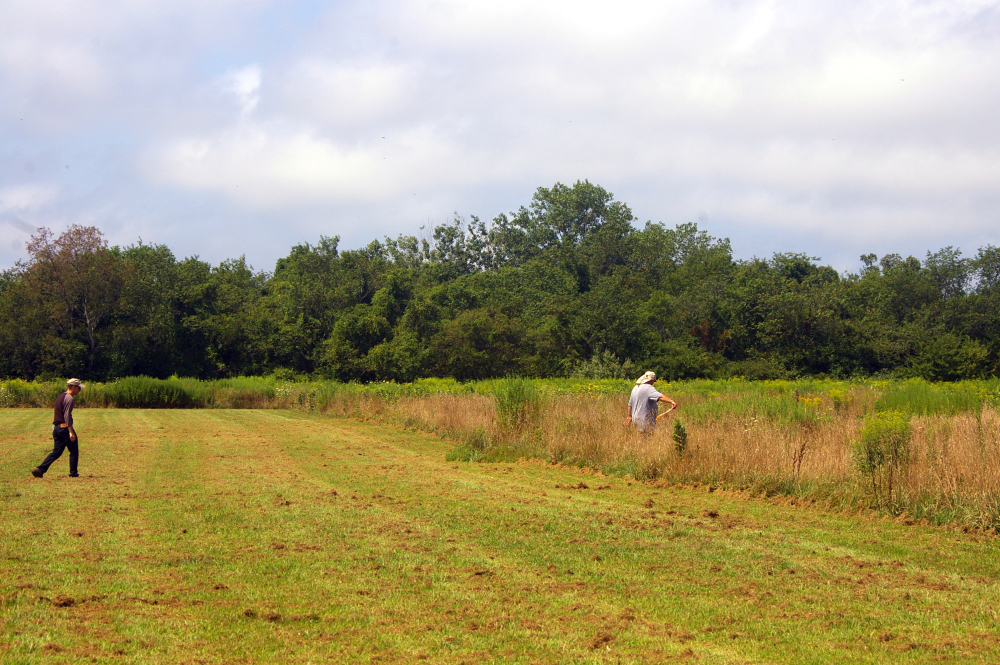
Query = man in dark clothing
x=63 y=432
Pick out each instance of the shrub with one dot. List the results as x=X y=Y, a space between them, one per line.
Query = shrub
x=142 y=392
x=840 y=399
x=15 y=393
x=478 y=439
x=517 y=405
x=680 y=437
x=951 y=357
x=7 y=397
x=882 y=450
x=605 y=365
x=462 y=453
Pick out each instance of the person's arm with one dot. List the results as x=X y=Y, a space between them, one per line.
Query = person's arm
x=664 y=398
x=68 y=416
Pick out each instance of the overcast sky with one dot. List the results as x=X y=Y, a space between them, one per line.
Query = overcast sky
x=234 y=127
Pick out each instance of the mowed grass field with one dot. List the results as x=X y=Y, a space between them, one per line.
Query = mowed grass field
x=281 y=537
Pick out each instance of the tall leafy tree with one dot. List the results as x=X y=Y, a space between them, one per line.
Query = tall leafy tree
x=567 y=283
x=76 y=280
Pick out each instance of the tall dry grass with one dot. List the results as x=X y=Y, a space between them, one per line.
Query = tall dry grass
x=449 y=415
x=953 y=472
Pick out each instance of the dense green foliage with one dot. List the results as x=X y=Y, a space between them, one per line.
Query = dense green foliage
x=567 y=286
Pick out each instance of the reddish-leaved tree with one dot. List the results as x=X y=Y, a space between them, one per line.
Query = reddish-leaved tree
x=76 y=277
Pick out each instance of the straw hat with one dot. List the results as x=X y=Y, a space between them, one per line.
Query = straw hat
x=648 y=377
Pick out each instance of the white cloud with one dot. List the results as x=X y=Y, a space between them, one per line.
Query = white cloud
x=244 y=85
x=273 y=166
x=19 y=198
x=783 y=115
x=348 y=93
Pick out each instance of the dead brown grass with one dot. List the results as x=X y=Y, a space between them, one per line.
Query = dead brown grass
x=953 y=472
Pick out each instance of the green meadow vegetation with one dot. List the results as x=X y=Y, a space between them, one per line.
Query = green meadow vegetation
x=287 y=535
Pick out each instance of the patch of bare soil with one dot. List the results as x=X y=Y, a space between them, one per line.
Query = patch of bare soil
x=678 y=634
x=312 y=616
x=602 y=639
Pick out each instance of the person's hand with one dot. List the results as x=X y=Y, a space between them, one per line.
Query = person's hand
x=628 y=421
x=72 y=436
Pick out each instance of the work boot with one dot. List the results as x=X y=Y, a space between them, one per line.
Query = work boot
x=74 y=475
x=37 y=473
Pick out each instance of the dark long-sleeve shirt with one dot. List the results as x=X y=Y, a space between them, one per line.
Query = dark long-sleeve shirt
x=63 y=410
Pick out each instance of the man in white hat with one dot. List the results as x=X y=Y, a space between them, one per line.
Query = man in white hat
x=62 y=432
x=643 y=403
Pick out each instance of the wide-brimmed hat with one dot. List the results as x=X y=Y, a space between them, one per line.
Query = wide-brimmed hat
x=75 y=382
x=648 y=377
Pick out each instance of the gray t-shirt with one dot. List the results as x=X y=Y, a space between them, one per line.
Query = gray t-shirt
x=63 y=409
x=642 y=405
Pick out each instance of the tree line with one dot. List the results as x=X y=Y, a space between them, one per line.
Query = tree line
x=567 y=285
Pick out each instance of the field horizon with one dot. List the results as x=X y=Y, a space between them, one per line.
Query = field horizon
x=205 y=536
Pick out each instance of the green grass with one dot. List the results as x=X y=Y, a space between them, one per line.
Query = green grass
x=918 y=397
x=256 y=391
x=774 y=400
x=276 y=536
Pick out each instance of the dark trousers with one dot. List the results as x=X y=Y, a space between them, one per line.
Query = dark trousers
x=62 y=441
